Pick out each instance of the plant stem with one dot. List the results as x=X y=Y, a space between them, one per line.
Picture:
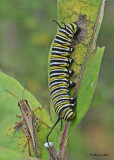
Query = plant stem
x=62 y=143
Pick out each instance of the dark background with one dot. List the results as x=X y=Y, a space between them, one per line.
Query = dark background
x=26 y=33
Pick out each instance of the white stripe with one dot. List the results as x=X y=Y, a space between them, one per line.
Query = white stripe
x=63 y=30
x=60 y=87
x=59 y=91
x=63 y=42
x=54 y=74
x=70 y=31
x=64 y=38
x=58 y=63
x=60 y=52
x=64 y=106
x=64 y=48
x=56 y=83
x=60 y=100
x=58 y=103
x=60 y=79
x=67 y=113
x=59 y=69
x=59 y=95
x=59 y=59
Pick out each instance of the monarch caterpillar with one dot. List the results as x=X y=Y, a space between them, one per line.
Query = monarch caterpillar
x=60 y=72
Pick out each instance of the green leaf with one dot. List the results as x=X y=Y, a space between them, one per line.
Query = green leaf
x=87 y=87
x=11 y=141
x=88 y=15
x=7 y=154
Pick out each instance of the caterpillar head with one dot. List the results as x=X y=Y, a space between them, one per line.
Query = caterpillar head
x=69 y=29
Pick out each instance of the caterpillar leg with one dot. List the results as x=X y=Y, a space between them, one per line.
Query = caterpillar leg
x=70 y=60
x=71 y=49
x=71 y=84
x=73 y=105
x=73 y=100
x=70 y=72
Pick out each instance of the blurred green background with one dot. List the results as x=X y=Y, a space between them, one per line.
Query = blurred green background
x=26 y=33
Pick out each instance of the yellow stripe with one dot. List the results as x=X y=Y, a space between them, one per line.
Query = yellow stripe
x=59 y=92
x=65 y=44
x=60 y=106
x=54 y=78
x=65 y=102
x=63 y=113
x=56 y=67
x=59 y=45
x=61 y=84
x=58 y=85
x=56 y=110
x=72 y=117
x=56 y=56
x=69 y=25
x=75 y=27
x=55 y=86
x=63 y=35
x=69 y=115
x=65 y=96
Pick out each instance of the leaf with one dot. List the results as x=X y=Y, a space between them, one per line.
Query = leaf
x=87 y=59
x=12 y=141
x=7 y=154
x=87 y=87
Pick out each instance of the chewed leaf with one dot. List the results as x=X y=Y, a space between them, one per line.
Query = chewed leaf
x=87 y=57
x=16 y=141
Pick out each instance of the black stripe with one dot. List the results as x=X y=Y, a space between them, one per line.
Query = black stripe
x=63 y=31
x=62 y=38
x=61 y=54
x=70 y=117
x=59 y=60
x=59 y=88
x=70 y=30
x=52 y=76
x=57 y=80
x=62 y=109
x=59 y=71
x=72 y=24
x=60 y=94
x=61 y=49
x=63 y=100
x=62 y=43
x=67 y=116
x=65 y=64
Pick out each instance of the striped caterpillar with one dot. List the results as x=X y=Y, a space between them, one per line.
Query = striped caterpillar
x=60 y=73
